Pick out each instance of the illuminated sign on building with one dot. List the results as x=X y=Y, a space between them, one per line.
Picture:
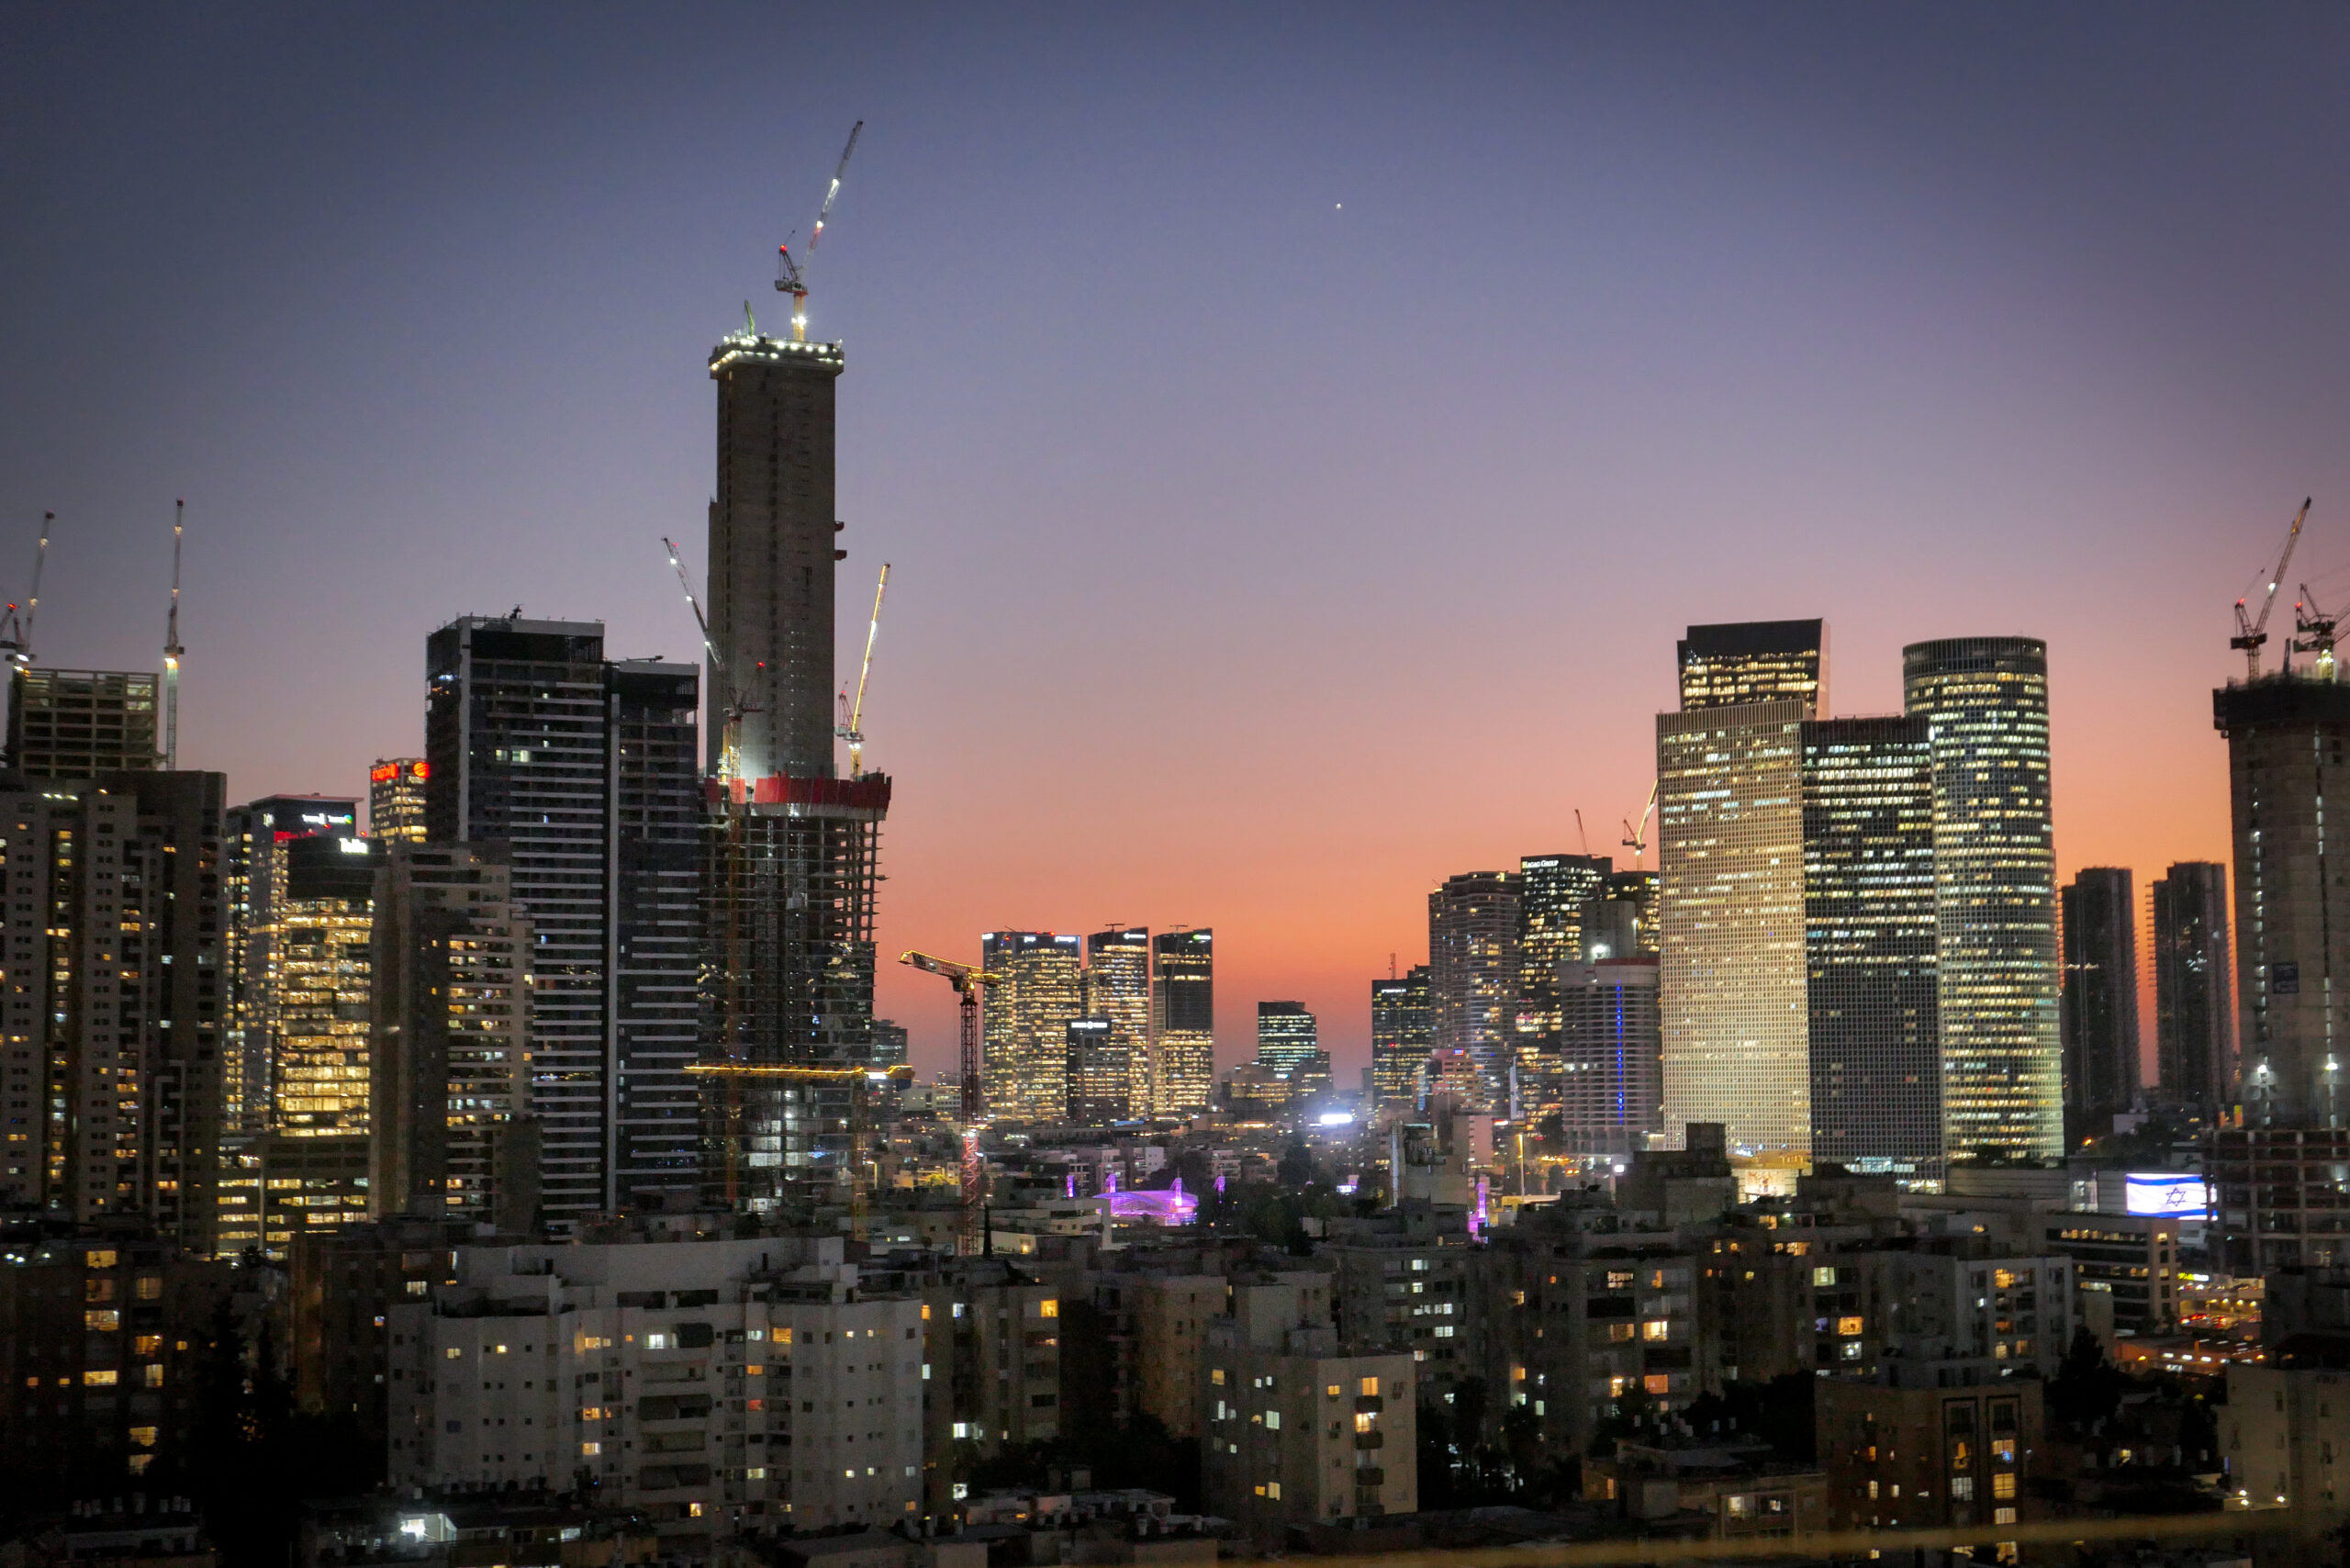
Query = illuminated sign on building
x=2166 y=1193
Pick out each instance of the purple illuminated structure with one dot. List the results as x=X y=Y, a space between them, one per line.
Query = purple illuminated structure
x=1171 y=1206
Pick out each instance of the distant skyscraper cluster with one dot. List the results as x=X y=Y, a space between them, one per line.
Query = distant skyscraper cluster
x=1119 y=1025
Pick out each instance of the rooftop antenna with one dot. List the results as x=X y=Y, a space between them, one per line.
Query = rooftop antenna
x=16 y=626
x=171 y=649
x=792 y=277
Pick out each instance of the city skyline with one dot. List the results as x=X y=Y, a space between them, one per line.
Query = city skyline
x=1267 y=796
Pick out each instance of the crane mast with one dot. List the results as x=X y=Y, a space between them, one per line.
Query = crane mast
x=171 y=649
x=792 y=277
x=2252 y=631
x=968 y=980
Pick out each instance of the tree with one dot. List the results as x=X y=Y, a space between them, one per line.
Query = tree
x=2088 y=1387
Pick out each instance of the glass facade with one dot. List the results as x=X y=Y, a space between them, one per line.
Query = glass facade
x=1730 y=923
x=2195 y=1036
x=2098 y=1009
x=1402 y=1032
x=1551 y=893
x=1754 y=661
x=1117 y=987
x=1101 y=1072
x=1025 y=1022
x=395 y=798
x=1287 y=1038
x=1611 y=1063
x=1183 y=1021
x=1994 y=877
x=1871 y=1006
x=1473 y=978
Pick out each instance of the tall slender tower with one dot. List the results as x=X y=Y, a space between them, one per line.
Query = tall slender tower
x=2100 y=1010
x=1995 y=891
x=793 y=850
x=2195 y=1036
x=1472 y=977
x=1182 y=1021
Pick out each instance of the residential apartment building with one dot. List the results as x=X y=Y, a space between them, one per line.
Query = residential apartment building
x=708 y=1384
x=1294 y=1432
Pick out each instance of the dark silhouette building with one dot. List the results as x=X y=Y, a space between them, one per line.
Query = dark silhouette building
x=2195 y=1035
x=2101 y=1003
x=585 y=769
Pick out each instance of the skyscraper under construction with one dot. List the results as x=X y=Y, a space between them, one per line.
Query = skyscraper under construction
x=791 y=862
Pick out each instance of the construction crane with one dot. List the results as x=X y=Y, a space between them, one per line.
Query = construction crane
x=17 y=627
x=1636 y=838
x=729 y=757
x=858 y=1080
x=1581 y=835
x=792 y=277
x=2252 y=631
x=2317 y=633
x=850 y=729
x=968 y=980
x=171 y=649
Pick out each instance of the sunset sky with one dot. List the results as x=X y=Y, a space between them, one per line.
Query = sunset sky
x=1298 y=434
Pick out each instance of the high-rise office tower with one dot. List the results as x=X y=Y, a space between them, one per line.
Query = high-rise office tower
x=1995 y=881
x=2195 y=1035
x=2098 y=1010
x=1871 y=1004
x=1117 y=987
x=1611 y=1044
x=1730 y=909
x=450 y=1102
x=586 y=770
x=262 y=915
x=253 y=875
x=1739 y=662
x=793 y=850
x=1472 y=976
x=1551 y=893
x=76 y=723
x=1183 y=1021
x=888 y=1045
x=1101 y=1072
x=1287 y=1038
x=111 y=1018
x=395 y=798
x=2285 y=735
x=1025 y=1022
x=1403 y=1033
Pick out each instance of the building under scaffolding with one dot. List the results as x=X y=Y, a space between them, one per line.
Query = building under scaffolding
x=792 y=850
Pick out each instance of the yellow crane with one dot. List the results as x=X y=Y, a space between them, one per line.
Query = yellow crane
x=968 y=980
x=851 y=727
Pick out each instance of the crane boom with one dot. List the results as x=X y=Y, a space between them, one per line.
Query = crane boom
x=699 y=620
x=15 y=624
x=2252 y=631
x=854 y=732
x=792 y=277
x=1636 y=838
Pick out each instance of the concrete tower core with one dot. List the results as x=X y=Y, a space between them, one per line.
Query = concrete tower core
x=772 y=555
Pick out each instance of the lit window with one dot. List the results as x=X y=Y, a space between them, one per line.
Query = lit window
x=1657 y=1382
x=2003 y=1484
x=1216 y=1377
x=1333 y=1390
x=1365 y=1421
x=1368 y=1386
x=101 y=1257
x=1655 y=1329
x=99 y=1377
x=154 y=1370
x=1048 y=1308
x=1273 y=1491
x=1823 y=1276
x=657 y=1342
x=102 y=1320
x=143 y=1435
x=589 y=1450
x=1848 y=1326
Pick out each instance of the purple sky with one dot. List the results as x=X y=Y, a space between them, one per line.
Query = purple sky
x=1298 y=438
